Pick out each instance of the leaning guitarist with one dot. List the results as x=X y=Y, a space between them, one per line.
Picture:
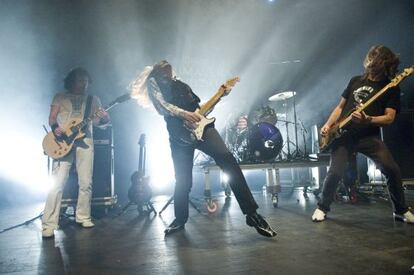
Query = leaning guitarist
x=74 y=103
x=177 y=103
x=363 y=134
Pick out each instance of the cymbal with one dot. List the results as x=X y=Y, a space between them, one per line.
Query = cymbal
x=281 y=115
x=282 y=96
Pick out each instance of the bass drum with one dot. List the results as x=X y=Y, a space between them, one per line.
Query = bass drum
x=265 y=141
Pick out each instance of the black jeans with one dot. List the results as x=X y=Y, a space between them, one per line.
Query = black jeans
x=214 y=146
x=376 y=150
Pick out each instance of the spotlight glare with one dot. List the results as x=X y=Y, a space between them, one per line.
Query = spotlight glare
x=160 y=166
x=29 y=169
x=225 y=178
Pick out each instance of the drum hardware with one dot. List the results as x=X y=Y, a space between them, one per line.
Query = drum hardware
x=284 y=96
x=304 y=132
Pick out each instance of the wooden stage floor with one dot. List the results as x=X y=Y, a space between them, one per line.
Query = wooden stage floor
x=356 y=239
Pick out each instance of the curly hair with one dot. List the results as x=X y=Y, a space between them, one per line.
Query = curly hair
x=71 y=77
x=381 y=62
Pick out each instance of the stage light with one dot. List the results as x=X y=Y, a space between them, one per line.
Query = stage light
x=374 y=174
x=160 y=165
x=224 y=178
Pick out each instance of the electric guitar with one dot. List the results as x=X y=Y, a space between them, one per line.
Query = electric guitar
x=57 y=147
x=337 y=130
x=140 y=192
x=191 y=133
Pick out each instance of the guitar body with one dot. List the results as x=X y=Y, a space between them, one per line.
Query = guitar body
x=139 y=192
x=201 y=126
x=326 y=141
x=59 y=147
x=186 y=133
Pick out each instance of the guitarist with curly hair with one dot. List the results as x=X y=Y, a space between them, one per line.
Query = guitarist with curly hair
x=74 y=103
x=363 y=132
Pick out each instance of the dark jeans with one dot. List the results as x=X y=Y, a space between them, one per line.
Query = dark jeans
x=214 y=146
x=376 y=150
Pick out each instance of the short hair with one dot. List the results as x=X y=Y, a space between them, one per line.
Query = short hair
x=71 y=77
x=381 y=61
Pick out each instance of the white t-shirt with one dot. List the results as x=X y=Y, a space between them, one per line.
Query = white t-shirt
x=72 y=106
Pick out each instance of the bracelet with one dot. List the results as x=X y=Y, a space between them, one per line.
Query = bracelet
x=54 y=126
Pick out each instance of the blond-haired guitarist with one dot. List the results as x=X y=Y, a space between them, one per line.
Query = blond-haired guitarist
x=190 y=129
x=74 y=103
x=362 y=133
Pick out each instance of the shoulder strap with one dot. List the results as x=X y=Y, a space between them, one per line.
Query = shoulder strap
x=88 y=107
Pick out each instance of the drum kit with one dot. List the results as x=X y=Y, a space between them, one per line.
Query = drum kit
x=256 y=137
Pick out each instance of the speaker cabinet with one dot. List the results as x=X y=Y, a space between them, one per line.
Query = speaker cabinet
x=103 y=172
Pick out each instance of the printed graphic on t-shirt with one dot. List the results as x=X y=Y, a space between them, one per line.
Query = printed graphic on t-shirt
x=362 y=93
x=76 y=105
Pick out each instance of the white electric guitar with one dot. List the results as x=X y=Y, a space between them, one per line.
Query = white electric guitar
x=195 y=132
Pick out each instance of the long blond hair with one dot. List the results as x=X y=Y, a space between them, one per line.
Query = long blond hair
x=139 y=88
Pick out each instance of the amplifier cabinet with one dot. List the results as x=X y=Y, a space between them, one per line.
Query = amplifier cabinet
x=103 y=172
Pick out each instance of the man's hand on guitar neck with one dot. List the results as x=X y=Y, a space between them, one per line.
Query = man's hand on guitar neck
x=361 y=118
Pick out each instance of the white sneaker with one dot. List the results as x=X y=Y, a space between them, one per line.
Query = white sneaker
x=407 y=217
x=318 y=215
x=86 y=224
x=48 y=233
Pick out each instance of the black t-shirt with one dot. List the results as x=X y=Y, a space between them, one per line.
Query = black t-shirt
x=180 y=94
x=360 y=90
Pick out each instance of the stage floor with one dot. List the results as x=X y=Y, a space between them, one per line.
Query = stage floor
x=356 y=239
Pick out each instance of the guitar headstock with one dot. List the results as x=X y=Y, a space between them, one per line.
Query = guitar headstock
x=230 y=84
x=123 y=98
x=407 y=72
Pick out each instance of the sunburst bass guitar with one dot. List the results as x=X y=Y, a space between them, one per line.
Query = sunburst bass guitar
x=338 y=129
x=58 y=147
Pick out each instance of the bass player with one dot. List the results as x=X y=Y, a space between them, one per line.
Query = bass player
x=364 y=131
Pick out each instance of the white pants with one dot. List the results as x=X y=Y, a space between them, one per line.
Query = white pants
x=83 y=155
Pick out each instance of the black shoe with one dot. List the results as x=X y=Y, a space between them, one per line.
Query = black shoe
x=262 y=227
x=175 y=226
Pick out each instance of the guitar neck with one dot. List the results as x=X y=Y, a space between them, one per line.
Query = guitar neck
x=212 y=101
x=87 y=120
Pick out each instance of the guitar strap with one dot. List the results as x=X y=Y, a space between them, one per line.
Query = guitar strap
x=88 y=107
